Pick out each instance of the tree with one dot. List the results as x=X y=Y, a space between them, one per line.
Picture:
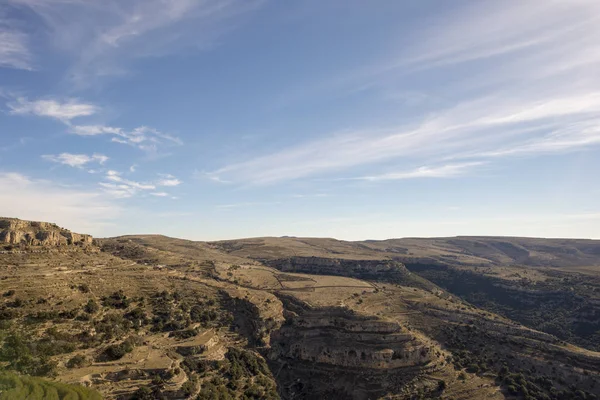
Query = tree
x=91 y=307
x=442 y=385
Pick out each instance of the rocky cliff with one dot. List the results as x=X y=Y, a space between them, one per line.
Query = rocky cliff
x=14 y=231
x=336 y=353
x=383 y=270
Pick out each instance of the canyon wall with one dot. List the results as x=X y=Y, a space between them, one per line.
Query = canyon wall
x=383 y=270
x=334 y=353
x=30 y=233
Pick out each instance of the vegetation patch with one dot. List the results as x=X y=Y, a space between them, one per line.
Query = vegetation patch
x=17 y=387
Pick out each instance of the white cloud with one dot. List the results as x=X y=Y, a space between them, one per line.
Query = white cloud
x=443 y=171
x=303 y=196
x=168 y=180
x=248 y=204
x=115 y=176
x=540 y=95
x=117 y=186
x=101 y=39
x=52 y=108
x=76 y=160
x=143 y=137
x=556 y=30
x=93 y=130
x=80 y=210
x=14 y=52
x=211 y=176
x=527 y=85
x=119 y=191
x=481 y=128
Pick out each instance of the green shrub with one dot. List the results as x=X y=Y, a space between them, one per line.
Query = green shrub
x=146 y=393
x=188 y=388
x=84 y=288
x=112 y=326
x=137 y=316
x=68 y=314
x=185 y=334
x=116 y=300
x=15 y=387
x=91 y=307
x=118 y=351
x=42 y=316
x=16 y=303
x=442 y=385
x=32 y=356
x=7 y=314
x=78 y=361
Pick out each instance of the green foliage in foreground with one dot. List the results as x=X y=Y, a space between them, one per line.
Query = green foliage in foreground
x=16 y=387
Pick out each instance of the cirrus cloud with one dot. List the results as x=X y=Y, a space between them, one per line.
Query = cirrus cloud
x=63 y=111
x=14 y=52
x=76 y=160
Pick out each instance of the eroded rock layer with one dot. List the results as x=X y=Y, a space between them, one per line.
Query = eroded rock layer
x=14 y=231
x=336 y=353
x=377 y=270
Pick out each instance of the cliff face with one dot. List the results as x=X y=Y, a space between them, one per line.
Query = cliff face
x=564 y=305
x=363 y=269
x=383 y=270
x=339 y=354
x=31 y=233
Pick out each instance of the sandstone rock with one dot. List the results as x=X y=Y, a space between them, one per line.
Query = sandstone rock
x=14 y=231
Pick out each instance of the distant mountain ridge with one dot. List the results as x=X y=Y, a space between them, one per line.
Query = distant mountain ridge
x=460 y=250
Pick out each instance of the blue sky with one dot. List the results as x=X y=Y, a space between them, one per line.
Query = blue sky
x=223 y=119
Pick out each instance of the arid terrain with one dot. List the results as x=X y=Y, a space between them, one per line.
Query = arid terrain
x=151 y=317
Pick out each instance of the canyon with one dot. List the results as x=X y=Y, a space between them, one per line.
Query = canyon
x=300 y=318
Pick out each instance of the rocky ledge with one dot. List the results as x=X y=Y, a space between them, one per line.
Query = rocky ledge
x=14 y=231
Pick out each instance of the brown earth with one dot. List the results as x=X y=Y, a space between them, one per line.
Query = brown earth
x=300 y=318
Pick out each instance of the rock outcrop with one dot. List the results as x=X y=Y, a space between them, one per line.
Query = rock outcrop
x=14 y=231
x=339 y=354
x=383 y=270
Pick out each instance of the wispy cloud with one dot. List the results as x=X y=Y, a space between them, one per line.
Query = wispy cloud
x=168 y=180
x=76 y=160
x=115 y=176
x=482 y=128
x=93 y=130
x=527 y=86
x=15 y=145
x=103 y=38
x=143 y=137
x=247 y=204
x=211 y=176
x=63 y=111
x=116 y=185
x=14 y=52
x=313 y=195
x=85 y=211
x=537 y=30
x=442 y=171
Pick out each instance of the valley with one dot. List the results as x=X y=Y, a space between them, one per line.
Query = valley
x=150 y=317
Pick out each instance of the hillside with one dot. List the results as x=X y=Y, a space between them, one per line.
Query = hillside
x=147 y=316
x=461 y=250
